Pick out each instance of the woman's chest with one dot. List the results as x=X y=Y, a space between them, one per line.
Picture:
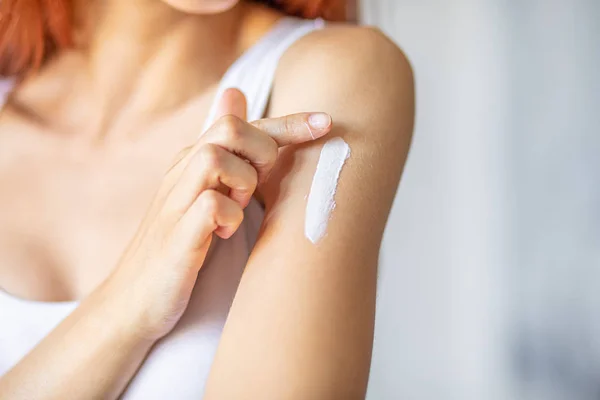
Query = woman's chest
x=178 y=365
x=66 y=218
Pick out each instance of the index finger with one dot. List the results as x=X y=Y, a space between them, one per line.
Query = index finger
x=295 y=128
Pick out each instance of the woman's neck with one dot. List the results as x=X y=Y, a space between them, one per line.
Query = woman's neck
x=141 y=57
x=147 y=46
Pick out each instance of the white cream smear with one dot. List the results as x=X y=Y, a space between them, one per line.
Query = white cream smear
x=321 y=198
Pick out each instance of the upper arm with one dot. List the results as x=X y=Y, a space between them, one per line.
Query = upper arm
x=365 y=83
x=302 y=321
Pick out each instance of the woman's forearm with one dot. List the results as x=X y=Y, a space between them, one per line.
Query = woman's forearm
x=92 y=354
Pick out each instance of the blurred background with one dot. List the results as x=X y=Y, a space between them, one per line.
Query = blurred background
x=489 y=283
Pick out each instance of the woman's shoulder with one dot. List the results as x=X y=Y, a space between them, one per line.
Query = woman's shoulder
x=346 y=40
x=344 y=60
x=344 y=48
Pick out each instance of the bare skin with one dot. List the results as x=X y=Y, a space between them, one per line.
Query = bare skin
x=80 y=169
x=92 y=148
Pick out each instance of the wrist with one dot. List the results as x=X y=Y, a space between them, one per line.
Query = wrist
x=119 y=311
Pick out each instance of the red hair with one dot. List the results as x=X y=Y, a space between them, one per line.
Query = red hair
x=31 y=30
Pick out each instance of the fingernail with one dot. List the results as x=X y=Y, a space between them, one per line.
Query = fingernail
x=319 y=121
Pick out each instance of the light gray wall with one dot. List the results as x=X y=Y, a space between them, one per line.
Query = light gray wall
x=491 y=257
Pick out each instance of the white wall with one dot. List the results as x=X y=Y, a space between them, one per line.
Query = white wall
x=456 y=270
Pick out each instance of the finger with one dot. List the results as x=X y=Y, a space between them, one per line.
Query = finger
x=210 y=168
x=295 y=128
x=246 y=141
x=210 y=211
x=238 y=176
x=232 y=102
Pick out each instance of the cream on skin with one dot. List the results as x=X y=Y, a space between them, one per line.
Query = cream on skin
x=321 y=198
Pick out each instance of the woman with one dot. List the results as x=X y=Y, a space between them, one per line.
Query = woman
x=112 y=283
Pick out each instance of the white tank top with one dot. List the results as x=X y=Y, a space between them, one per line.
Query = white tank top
x=178 y=365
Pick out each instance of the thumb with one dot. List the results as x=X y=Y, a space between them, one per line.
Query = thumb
x=232 y=102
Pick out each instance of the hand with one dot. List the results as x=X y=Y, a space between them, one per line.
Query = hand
x=204 y=192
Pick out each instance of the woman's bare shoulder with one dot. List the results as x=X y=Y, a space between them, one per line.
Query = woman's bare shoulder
x=330 y=57
x=338 y=39
x=357 y=74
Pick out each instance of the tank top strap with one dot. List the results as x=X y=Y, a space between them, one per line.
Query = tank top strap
x=254 y=72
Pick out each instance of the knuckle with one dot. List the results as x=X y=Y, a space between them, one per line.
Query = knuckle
x=253 y=173
x=239 y=216
x=269 y=158
x=289 y=124
x=210 y=201
x=250 y=181
x=209 y=156
x=236 y=216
